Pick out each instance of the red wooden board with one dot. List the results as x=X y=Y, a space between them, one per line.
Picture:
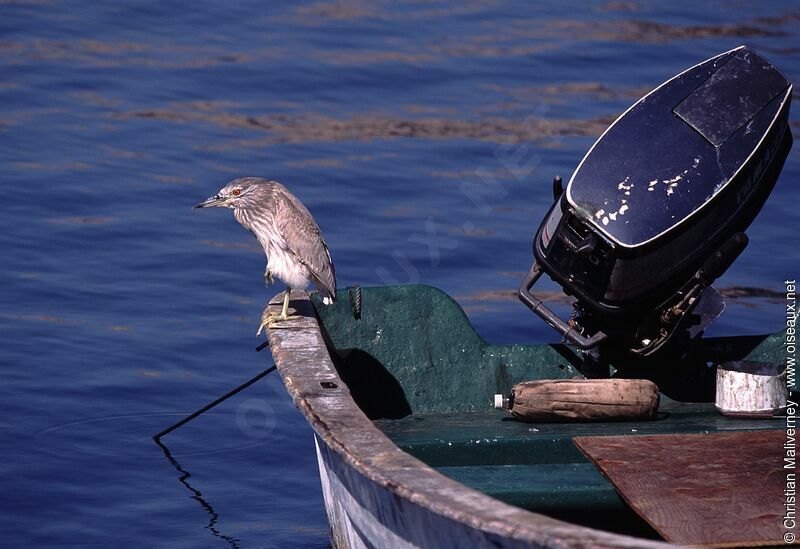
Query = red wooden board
x=718 y=489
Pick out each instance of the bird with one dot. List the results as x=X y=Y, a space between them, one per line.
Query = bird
x=292 y=241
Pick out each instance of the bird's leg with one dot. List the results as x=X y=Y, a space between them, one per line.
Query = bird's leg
x=285 y=310
x=269 y=320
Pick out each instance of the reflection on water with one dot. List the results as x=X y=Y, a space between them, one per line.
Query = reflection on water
x=197 y=495
x=399 y=124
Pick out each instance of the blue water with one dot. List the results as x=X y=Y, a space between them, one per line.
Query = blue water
x=422 y=135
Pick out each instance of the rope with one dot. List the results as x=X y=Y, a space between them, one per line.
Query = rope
x=355 y=300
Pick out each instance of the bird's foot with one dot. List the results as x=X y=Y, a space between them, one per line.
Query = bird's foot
x=269 y=278
x=270 y=320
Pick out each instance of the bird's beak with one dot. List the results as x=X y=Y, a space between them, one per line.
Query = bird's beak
x=216 y=200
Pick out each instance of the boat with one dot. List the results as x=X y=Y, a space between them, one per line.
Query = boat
x=399 y=390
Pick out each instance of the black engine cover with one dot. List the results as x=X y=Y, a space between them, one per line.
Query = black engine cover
x=668 y=182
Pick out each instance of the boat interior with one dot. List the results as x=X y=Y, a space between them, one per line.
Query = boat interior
x=416 y=367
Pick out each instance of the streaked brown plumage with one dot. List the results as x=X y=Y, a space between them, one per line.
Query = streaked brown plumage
x=292 y=241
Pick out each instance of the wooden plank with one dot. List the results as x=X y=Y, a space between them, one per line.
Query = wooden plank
x=718 y=490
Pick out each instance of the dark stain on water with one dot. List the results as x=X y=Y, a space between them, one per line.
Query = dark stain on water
x=422 y=135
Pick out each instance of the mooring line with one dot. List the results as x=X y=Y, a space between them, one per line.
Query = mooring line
x=207 y=407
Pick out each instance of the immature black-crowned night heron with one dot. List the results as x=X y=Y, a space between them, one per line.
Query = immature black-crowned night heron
x=292 y=241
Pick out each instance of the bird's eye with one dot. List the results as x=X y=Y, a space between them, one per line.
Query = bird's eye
x=236 y=192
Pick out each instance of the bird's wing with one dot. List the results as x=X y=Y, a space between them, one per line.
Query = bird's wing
x=304 y=241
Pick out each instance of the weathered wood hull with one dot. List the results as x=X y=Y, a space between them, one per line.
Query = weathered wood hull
x=377 y=495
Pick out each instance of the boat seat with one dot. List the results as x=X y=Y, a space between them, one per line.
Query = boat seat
x=494 y=438
x=537 y=466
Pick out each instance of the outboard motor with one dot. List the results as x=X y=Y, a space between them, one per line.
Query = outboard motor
x=656 y=210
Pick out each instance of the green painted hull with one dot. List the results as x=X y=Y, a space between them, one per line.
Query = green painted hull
x=414 y=351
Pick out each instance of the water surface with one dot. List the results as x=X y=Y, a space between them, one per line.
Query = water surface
x=422 y=135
